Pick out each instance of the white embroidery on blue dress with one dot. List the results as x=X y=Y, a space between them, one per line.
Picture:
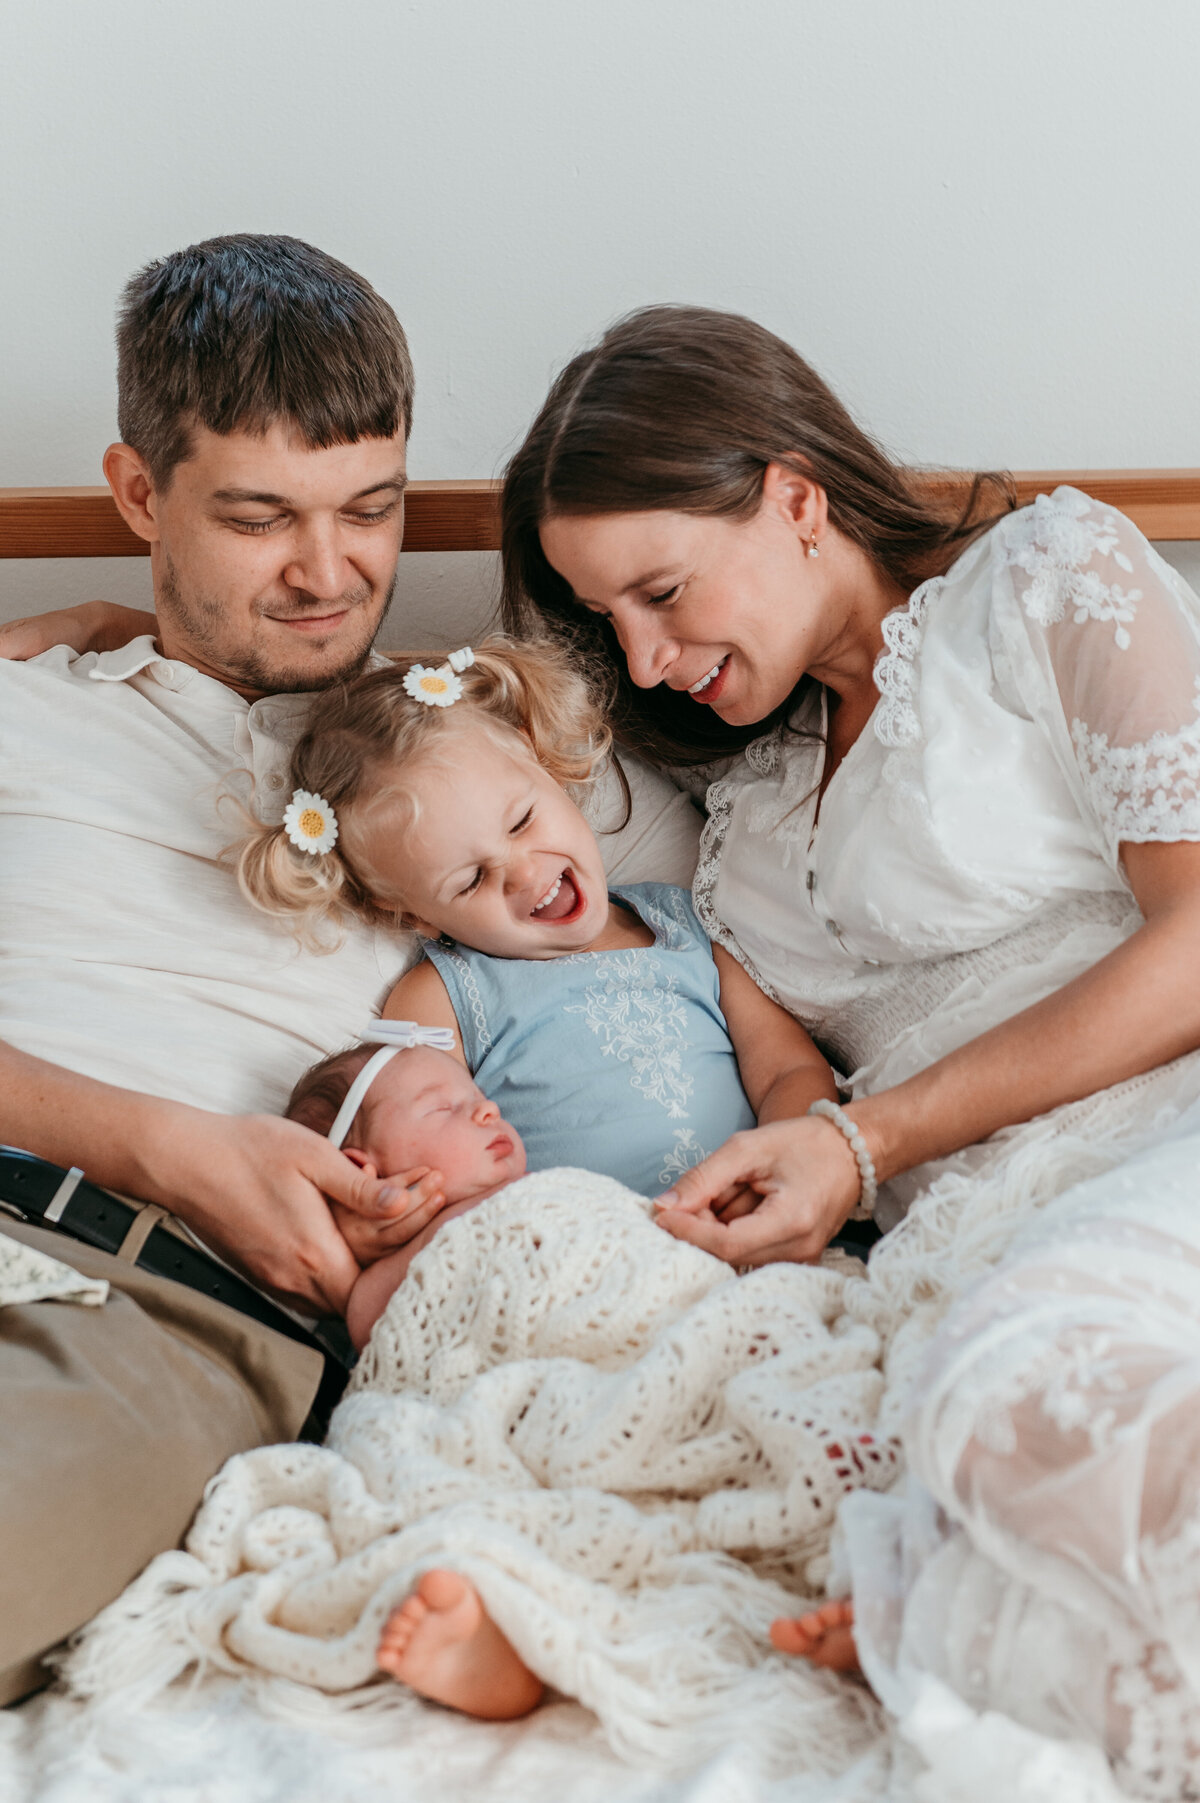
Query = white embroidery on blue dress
x=471 y=991
x=686 y=1152
x=643 y=1025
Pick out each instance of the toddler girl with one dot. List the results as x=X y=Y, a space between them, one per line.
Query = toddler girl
x=441 y=799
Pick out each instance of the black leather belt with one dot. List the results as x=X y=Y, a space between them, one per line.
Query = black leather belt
x=47 y=1196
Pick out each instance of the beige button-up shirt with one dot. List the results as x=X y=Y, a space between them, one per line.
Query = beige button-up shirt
x=126 y=950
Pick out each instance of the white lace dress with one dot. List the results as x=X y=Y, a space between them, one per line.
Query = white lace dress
x=1039 y=705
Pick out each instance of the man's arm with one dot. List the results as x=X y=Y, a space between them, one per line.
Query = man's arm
x=91 y=626
x=254 y=1187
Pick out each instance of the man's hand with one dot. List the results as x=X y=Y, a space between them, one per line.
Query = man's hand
x=806 y=1180
x=92 y=626
x=258 y=1190
x=419 y=1196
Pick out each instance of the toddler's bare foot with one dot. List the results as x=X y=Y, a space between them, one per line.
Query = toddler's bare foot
x=826 y=1637
x=444 y=1645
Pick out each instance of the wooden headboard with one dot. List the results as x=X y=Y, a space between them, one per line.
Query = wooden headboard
x=463 y=516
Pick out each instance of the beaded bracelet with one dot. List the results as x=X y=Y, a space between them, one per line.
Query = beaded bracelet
x=869 y=1187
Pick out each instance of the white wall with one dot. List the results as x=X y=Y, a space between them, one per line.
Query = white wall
x=978 y=219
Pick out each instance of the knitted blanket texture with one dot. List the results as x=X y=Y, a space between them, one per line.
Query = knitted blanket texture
x=635 y=1454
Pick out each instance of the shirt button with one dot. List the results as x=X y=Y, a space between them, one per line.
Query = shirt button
x=831 y=927
x=274 y=781
x=166 y=673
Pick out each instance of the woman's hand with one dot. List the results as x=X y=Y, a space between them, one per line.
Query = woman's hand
x=806 y=1180
x=92 y=626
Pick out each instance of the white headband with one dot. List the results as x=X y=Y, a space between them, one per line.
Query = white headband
x=391 y=1036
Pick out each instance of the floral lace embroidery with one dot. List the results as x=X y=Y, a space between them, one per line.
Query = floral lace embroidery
x=643 y=1028
x=896 y=720
x=1149 y=790
x=708 y=869
x=29 y=1275
x=1053 y=541
x=686 y=1152
x=1160 y=1757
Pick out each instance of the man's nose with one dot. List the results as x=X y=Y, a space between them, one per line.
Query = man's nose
x=318 y=564
x=648 y=651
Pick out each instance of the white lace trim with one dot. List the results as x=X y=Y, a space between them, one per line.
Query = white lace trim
x=466 y=977
x=1148 y=791
x=1052 y=541
x=708 y=869
x=896 y=720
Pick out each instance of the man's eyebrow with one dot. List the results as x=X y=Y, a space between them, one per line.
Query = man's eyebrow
x=397 y=484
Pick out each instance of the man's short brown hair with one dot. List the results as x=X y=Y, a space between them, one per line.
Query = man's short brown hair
x=242 y=333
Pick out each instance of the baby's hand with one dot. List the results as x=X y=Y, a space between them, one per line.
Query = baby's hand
x=408 y=1204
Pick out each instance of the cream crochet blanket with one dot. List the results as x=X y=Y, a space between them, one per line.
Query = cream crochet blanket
x=636 y=1455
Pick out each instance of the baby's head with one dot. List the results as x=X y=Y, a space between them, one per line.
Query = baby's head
x=421 y=1109
x=450 y=816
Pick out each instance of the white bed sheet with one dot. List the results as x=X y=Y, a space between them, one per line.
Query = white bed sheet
x=212 y=1744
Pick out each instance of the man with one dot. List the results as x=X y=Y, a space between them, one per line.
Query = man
x=153 y=1023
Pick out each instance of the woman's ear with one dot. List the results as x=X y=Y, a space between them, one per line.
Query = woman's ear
x=796 y=498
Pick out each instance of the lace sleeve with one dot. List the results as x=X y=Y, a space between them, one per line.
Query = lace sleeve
x=1115 y=636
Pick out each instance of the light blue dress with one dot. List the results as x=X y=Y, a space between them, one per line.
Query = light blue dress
x=620 y=1061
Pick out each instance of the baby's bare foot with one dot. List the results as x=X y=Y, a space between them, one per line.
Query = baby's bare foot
x=826 y=1637
x=444 y=1645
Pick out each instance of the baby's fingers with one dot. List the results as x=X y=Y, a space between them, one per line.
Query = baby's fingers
x=743 y=1202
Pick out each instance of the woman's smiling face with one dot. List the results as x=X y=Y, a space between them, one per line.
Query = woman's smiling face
x=730 y=610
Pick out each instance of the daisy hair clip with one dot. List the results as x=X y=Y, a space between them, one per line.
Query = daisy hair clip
x=310 y=822
x=441 y=687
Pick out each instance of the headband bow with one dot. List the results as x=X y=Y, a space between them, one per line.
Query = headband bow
x=391 y=1036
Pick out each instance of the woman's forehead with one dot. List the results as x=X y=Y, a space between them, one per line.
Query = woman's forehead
x=607 y=554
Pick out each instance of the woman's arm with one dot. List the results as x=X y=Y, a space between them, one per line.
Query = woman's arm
x=1139 y=1007
x=92 y=626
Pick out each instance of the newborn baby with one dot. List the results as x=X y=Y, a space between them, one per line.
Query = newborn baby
x=419 y=1108
x=396 y=1109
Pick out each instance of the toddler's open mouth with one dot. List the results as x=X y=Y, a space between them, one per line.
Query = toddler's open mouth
x=563 y=900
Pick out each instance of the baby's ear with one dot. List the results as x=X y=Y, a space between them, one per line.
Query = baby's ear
x=361 y=1160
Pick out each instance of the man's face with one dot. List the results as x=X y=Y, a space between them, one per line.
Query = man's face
x=274 y=563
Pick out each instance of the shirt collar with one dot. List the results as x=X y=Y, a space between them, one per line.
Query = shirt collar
x=143 y=654
x=130 y=660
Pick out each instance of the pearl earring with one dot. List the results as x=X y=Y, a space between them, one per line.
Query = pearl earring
x=812 y=544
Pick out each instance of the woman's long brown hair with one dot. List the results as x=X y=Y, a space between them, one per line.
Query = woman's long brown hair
x=682 y=409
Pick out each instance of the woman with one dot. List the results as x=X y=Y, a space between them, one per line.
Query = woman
x=955 y=832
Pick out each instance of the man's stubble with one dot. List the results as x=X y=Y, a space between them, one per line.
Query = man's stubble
x=203 y=623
